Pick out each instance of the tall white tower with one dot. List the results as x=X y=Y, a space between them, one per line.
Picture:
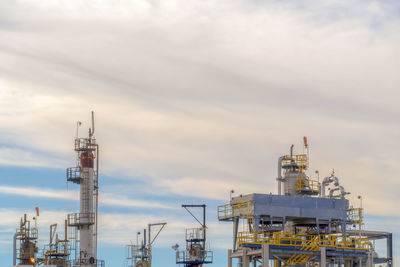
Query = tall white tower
x=85 y=222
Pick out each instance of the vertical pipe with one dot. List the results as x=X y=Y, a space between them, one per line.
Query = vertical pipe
x=97 y=198
x=279 y=179
x=65 y=236
x=15 y=249
x=144 y=237
x=149 y=253
x=149 y=233
x=204 y=226
x=390 y=249
x=92 y=122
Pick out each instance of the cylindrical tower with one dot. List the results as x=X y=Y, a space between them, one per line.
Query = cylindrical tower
x=291 y=178
x=87 y=244
x=295 y=180
x=85 y=222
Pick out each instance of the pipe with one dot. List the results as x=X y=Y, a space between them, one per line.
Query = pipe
x=279 y=179
x=328 y=180
x=332 y=179
x=15 y=249
x=339 y=188
x=92 y=122
x=390 y=249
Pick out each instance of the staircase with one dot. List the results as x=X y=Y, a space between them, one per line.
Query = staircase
x=295 y=259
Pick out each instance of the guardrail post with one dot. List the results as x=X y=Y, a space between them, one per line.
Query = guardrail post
x=265 y=255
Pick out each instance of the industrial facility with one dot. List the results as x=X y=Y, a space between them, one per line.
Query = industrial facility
x=140 y=255
x=78 y=248
x=195 y=254
x=307 y=223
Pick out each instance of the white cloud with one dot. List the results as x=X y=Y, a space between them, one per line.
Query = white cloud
x=200 y=97
x=39 y=192
x=105 y=199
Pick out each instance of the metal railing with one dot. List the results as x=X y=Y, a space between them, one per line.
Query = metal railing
x=185 y=256
x=86 y=262
x=194 y=234
x=242 y=209
x=301 y=240
x=355 y=216
x=137 y=252
x=73 y=174
x=34 y=234
x=76 y=219
x=307 y=185
x=301 y=161
x=85 y=144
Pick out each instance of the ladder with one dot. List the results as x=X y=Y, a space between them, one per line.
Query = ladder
x=295 y=259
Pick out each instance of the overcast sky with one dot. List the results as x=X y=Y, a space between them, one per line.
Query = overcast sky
x=194 y=98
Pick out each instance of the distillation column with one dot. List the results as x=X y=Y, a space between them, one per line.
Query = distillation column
x=85 y=222
x=87 y=244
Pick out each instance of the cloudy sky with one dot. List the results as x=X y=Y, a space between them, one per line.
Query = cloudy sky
x=194 y=98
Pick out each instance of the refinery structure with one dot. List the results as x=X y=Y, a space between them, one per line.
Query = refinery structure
x=78 y=247
x=140 y=255
x=307 y=223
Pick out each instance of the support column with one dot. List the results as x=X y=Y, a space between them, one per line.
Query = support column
x=235 y=232
x=245 y=258
x=265 y=255
x=229 y=257
x=370 y=260
x=323 y=256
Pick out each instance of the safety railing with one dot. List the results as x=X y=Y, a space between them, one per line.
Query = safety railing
x=296 y=259
x=194 y=234
x=34 y=234
x=204 y=256
x=85 y=144
x=307 y=186
x=57 y=250
x=355 y=216
x=301 y=161
x=89 y=262
x=300 y=240
x=77 y=219
x=74 y=174
x=134 y=252
x=241 y=209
